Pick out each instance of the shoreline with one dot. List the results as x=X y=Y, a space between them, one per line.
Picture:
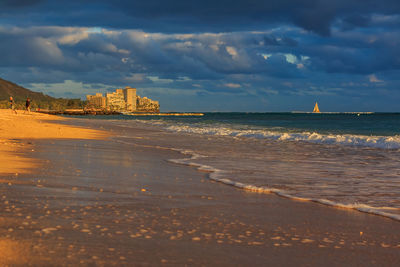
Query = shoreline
x=104 y=202
x=17 y=132
x=213 y=175
x=81 y=112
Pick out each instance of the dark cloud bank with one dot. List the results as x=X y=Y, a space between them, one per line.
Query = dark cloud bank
x=256 y=55
x=206 y=15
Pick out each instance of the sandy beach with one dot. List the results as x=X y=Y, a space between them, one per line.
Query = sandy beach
x=74 y=193
x=18 y=130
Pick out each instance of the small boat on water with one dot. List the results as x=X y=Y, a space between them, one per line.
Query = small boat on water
x=316 y=109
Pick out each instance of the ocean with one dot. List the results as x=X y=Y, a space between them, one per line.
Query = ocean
x=346 y=160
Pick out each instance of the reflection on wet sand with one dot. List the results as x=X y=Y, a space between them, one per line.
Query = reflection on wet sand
x=14 y=252
x=18 y=132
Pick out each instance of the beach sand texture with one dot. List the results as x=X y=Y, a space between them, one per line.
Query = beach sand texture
x=97 y=200
x=17 y=131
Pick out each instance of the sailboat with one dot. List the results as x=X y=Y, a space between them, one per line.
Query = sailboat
x=316 y=109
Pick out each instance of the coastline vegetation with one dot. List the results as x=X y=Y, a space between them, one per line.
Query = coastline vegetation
x=38 y=100
x=58 y=104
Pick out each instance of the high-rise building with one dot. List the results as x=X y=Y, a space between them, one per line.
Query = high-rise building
x=116 y=101
x=97 y=100
x=130 y=98
x=123 y=100
x=146 y=104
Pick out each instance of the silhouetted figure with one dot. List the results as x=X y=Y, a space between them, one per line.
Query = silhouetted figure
x=12 y=105
x=28 y=105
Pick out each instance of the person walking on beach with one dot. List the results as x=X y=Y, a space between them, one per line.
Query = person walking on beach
x=12 y=105
x=28 y=105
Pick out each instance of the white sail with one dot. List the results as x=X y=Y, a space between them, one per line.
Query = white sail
x=316 y=109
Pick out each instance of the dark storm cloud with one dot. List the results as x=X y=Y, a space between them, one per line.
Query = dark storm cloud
x=355 y=52
x=200 y=16
x=86 y=52
x=314 y=15
x=18 y=3
x=356 y=20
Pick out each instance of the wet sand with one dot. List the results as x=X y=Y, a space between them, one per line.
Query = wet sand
x=105 y=202
x=16 y=131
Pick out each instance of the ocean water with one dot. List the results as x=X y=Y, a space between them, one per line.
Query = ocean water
x=348 y=160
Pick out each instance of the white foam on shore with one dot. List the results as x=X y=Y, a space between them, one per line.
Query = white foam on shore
x=218 y=176
x=373 y=141
x=385 y=142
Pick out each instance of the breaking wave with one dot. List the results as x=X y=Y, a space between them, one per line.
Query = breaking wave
x=219 y=176
x=384 y=142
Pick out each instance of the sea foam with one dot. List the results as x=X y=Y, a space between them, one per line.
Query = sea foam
x=384 y=142
x=219 y=176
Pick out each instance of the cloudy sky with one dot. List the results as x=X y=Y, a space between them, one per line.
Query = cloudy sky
x=219 y=55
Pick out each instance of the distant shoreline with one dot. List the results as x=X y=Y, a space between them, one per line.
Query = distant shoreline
x=166 y=114
x=81 y=112
x=334 y=112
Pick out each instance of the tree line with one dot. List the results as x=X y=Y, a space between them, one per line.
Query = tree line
x=58 y=104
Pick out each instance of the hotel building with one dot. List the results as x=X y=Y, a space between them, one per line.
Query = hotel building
x=123 y=100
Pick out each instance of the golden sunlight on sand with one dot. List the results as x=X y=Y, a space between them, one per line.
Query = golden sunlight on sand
x=14 y=252
x=17 y=127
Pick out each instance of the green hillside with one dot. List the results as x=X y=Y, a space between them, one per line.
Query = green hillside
x=38 y=100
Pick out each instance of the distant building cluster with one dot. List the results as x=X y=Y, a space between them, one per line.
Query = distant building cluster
x=122 y=100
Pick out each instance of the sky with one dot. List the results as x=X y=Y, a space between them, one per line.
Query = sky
x=220 y=55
